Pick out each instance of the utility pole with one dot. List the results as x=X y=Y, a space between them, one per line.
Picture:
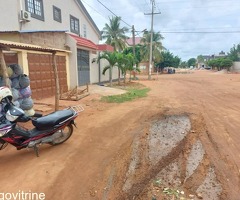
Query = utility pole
x=134 y=53
x=150 y=59
x=133 y=40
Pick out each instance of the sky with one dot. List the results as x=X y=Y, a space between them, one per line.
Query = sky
x=189 y=27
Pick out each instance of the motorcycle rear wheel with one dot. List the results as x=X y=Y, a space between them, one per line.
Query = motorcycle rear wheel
x=66 y=134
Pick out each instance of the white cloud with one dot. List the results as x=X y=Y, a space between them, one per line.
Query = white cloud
x=178 y=16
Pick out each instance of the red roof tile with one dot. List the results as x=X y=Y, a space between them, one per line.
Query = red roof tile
x=84 y=42
x=130 y=41
x=105 y=47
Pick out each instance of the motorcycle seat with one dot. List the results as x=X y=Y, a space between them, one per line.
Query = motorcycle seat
x=52 y=119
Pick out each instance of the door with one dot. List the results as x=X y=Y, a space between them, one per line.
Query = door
x=83 y=67
x=41 y=75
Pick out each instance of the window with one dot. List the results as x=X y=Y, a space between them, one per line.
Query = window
x=85 y=30
x=35 y=7
x=74 y=24
x=57 y=16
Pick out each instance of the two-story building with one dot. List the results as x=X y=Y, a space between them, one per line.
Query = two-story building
x=65 y=27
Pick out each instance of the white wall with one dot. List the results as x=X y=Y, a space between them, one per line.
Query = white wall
x=73 y=71
x=105 y=78
x=11 y=10
x=9 y=15
x=235 y=67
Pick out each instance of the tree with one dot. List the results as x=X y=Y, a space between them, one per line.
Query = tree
x=126 y=63
x=183 y=64
x=138 y=56
x=168 y=60
x=114 y=34
x=157 y=46
x=234 y=53
x=221 y=63
x=111 y=57
x=226 y=63
x=192 y=62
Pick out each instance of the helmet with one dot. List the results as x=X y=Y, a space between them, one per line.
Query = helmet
x=5 y=92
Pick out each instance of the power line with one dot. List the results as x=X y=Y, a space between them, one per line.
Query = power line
x=113 y=13
x=191 y=1
x=200 y=32
x=93 y=9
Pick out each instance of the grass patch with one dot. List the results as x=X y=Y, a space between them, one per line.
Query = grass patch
x=133 y=93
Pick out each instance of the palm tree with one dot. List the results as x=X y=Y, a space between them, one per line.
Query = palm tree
x=114 y=34
x=111 y=57
x=157 y=46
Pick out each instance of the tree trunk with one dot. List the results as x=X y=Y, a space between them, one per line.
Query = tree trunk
x=119 y=71
x=130 y=77
x=124 y=78
x=57 y=88
x=110 y=76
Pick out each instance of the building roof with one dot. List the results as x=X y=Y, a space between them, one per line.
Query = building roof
x=105 y=47
x=130 y=41
x=17 y=45
x=84 y=42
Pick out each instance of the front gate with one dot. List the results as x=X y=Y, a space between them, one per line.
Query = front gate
x=83 y=67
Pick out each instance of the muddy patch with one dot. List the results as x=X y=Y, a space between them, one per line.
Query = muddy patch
x=169 y=162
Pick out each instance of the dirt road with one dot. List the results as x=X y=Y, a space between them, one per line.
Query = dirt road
x=95 y=162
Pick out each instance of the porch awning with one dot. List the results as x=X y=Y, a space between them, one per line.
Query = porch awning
x=84 y=42
x=17 y=45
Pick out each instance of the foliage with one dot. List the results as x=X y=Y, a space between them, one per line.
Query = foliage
x=183 y=64
x=125 y=62
x=114 y=34
x=138 y=56
x=200 y=59
x=111 y=57
x=129 y=96
x=168 y=60
x=220 y=63
x=192 y=62
x=234 y=53
x=157 y=46
x=171 y=192
x=226 y=63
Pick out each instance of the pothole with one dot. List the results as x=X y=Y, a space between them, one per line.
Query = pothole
x=169 y=162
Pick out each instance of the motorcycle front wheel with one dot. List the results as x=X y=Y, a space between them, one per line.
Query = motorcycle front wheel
x=64 y=135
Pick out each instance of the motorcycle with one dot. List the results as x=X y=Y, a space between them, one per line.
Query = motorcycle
x=54 y=128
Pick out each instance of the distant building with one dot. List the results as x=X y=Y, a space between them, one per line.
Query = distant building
x=206 y=58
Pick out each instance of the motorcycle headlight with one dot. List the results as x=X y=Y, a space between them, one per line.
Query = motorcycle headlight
x=10 y=117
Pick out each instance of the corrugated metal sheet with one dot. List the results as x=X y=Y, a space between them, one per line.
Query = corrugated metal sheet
x=84 y=42
x=18 y=45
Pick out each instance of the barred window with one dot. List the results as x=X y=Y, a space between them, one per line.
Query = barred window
x=74 y=24
x=85 y=30
x=57 y=16
x=35 y=7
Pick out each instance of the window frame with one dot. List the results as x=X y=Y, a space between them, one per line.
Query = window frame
x=84 y=30
x=60 y=14
x=34 y=15
x=73 y=30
